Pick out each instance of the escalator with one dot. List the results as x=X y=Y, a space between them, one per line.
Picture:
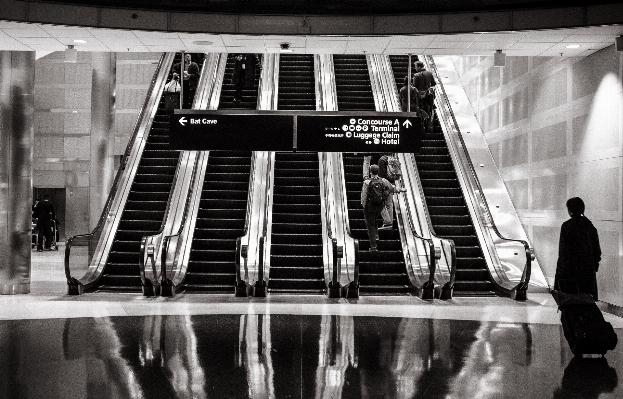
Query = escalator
x=382 y=272
x=145 y=207
x=223 y=207
x=296 y=261
x=446 y=205
x=249 y=96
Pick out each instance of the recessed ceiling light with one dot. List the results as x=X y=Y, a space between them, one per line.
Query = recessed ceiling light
x=573 y=46
x=203 y=42
x=80 y=41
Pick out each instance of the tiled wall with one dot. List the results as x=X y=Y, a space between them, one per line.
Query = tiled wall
x=555 y=129
x=63 y=122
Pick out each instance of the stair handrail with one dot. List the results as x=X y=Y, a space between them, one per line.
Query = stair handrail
x=447 y=107
x=182 y=186
x=142 y=125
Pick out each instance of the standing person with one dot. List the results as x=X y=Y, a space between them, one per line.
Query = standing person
x=374 y=194
x=45 y=215
x=244 y=73
x=190 y=78
x=370 y=159
x=388 y=210
x=424 y=81
x=578 y=253
x=404 y=100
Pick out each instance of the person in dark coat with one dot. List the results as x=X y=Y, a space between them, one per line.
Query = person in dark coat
x=44 y=212
x=404 y=99
x=190 y=78
x=578 y=253
x=424 y=81
x=243 y=76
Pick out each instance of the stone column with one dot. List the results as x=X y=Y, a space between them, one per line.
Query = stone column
x=17 y=77
x=101 y=174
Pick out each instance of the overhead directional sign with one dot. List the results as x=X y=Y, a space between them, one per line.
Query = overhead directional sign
x=209 y=130
x=288 y=131
x=371 y=133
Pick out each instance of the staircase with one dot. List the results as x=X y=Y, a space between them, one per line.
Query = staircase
x=144 y=209
x=221 y=218
x=382 y=272
x=296 y=261
x=446 y=205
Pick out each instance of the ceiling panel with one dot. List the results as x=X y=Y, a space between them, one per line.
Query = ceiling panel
x=541 y=37
x=409 y=41
x=465 y=37
x=490 y=45
x=589 y=38
x=459 y=46
x=65 y=31
x=403 y=51
x=32 y=31
x=531 y=46
x=146 y=35
x=10 y=44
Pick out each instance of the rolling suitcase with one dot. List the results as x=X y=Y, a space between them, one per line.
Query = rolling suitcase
x=583 y=325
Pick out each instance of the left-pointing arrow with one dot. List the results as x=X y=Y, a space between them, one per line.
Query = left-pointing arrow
x=182 y=121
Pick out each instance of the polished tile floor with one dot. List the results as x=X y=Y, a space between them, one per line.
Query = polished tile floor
x=207 y=346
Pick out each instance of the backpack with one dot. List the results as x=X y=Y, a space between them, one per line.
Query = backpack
x=377 y=193
x=393 y=168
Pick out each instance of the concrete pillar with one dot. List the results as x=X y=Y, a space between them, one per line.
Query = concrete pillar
x=101 y=174
x=17 y=77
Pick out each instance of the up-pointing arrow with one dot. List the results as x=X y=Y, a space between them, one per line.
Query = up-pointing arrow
x=407 y=124
x=182 y=121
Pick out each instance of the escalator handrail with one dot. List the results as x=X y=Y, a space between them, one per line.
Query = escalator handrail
x=431 y=229
x=124 y=160
x=163 y=224
x=269 y=167
x=394 y=101
x=525 y=277
x=167 y=239
x=247 y=220
x=327 y=216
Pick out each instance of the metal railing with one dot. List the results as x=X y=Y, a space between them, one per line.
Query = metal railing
x=475 y=191
x=99 y=240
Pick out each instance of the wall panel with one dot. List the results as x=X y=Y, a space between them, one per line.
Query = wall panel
x=560 y=135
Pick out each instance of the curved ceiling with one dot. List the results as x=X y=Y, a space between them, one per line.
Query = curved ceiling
x=18 y=36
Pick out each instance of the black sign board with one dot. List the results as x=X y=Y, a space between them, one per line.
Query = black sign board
x=209 y=130
x=372 y=133
x=275 y=131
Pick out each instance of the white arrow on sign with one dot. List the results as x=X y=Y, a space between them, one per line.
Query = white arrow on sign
x=407 y=123
x=182 y=121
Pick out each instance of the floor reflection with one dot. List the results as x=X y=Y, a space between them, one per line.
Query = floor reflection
x=286 y=356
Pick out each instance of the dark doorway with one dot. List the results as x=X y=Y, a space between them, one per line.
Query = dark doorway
x=57 y=198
